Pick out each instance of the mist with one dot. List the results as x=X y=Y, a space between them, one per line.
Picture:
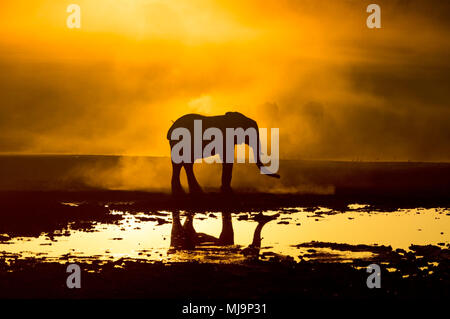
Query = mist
x=336 y=89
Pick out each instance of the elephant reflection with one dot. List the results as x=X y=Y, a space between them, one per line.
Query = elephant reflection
x=231 y=120
x=185 y=237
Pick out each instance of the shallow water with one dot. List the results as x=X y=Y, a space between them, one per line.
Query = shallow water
x=140 y=236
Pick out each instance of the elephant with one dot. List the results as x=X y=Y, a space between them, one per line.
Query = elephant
x=234 y=120
x=185 y=237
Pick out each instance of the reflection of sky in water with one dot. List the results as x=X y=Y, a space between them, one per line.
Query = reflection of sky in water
x=141 y=239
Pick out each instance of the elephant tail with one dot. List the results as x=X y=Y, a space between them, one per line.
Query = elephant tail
x=184 y=121
x=169 y=133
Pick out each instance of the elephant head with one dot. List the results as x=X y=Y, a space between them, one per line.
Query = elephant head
x=239 y=120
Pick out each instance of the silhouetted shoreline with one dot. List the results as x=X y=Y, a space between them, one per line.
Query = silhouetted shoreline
x=152 y=174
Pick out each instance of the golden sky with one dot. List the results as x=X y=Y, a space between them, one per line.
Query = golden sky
x=336 y=89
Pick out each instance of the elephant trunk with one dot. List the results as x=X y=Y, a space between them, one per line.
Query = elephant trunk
x=257 y=153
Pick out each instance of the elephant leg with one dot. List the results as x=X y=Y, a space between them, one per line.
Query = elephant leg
x=176 y=185
x=227 y=234
x=177 y=237
x=194 y=187
x=227 y=171
x=188 y=227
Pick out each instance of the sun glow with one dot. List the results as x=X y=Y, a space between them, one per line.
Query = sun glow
x=299 y=66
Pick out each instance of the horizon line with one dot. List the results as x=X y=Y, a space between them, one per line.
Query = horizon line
x=282 y=159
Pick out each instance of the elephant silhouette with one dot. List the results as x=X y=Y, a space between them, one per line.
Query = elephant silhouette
x=234 y=120
x=184 y=236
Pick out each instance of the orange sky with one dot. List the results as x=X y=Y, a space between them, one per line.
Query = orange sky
x=336 y=89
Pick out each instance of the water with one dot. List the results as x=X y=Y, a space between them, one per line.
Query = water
x=144 y=236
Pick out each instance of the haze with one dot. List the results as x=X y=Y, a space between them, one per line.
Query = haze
x=336 y=89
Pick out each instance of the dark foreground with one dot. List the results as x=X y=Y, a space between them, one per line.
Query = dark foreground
x=252 y=280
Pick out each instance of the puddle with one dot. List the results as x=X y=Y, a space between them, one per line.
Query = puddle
x=147 y=236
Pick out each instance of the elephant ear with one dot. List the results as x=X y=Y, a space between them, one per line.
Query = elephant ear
x=232 y=116
x=236 y=115
x=239 y=120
